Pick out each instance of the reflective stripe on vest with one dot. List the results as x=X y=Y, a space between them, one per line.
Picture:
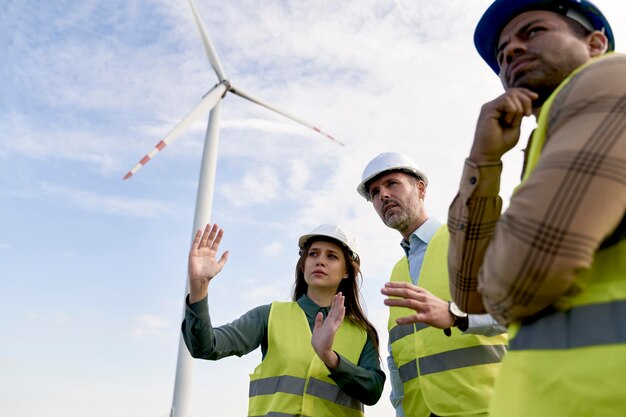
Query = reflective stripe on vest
x=444 y=361
x=438 y=371
x=274 y=384
x=403 y=330
x=292 y=380
x=293 y=385
x=332 y=392
x=576 y=328
x=453 y=359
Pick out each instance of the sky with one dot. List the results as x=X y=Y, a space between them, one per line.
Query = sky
x=93 y=268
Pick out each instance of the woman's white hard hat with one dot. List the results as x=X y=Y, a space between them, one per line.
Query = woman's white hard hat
x=337 y=233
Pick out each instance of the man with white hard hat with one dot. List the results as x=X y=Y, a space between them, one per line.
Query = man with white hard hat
x=552 y=266
x=432 y=372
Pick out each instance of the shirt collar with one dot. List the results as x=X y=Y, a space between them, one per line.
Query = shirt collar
x=424 y=233
x=310 y=308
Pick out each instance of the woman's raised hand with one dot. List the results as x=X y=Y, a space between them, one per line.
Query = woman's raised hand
x=324 y=331
x=203 y=263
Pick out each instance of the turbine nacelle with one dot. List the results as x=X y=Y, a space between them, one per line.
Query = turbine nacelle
x=226 y=84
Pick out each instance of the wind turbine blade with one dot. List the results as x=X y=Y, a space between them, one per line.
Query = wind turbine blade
x=267 y=105
x=208 y=45
x=209 y=101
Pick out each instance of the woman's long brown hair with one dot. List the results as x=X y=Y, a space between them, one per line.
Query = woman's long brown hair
x=349 y=287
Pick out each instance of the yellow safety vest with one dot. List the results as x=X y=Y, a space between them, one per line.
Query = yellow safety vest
x=442 y=375
x=292 y=380
x=571 y=363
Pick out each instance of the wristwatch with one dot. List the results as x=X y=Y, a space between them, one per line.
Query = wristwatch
x=461 y=320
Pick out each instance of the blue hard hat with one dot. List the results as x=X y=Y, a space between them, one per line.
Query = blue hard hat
x=500 y=13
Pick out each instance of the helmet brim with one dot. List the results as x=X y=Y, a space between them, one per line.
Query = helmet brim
x=363 y=188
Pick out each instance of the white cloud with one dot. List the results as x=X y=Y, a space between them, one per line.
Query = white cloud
x=150 y=325
x=262 y=294
x=49 y=318
x=257 y=186
x=31 y=315
x=266 y=126
x=273 y=249
x=299 y=175
x=59 y=317
x=31 y=138
x=111 y=205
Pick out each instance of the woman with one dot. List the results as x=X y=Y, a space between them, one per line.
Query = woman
x=315 y=363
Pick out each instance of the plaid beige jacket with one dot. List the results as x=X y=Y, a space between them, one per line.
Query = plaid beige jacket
x=516 y=264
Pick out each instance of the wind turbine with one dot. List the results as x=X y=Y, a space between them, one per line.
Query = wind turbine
x=211 y=101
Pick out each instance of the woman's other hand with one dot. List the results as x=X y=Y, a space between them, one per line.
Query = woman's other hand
x=324 y=332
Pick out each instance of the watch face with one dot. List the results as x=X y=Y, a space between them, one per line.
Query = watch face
x=456 y=311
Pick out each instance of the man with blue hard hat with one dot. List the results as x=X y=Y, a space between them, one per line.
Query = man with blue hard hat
x=552 y=266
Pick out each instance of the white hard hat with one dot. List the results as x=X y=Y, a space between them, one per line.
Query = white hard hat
x=388 y=161
x=335 y=232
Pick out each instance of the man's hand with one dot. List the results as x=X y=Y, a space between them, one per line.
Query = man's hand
x=324 y=331
x=498 y=127
x=203 y=263
x=429 y=309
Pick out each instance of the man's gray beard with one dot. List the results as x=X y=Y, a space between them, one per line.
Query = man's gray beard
x=399 y=222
